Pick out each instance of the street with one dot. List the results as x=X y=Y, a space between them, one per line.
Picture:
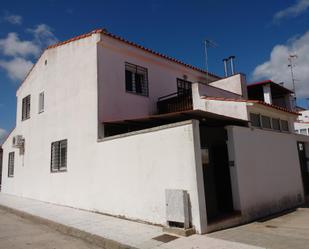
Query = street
x=288 y=231
x=20 y=233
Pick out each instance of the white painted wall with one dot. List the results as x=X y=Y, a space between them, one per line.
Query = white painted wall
x=266 y=176
x=235 y=83
x=302 y=128
x=115 y=103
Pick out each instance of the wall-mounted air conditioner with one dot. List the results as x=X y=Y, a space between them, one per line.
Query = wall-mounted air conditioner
x=18 y=141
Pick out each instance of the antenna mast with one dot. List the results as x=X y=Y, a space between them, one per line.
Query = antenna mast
x=208 y=44
x=291 y=59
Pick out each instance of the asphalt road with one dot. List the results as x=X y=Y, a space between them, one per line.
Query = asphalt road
x=20 y=233
x=287 y=231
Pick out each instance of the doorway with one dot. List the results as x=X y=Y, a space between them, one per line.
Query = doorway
x=304 y=168
x=216 y=173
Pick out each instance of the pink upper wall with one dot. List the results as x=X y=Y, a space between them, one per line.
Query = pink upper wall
x=114 y=102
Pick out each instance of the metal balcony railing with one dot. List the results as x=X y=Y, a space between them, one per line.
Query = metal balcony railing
x=175 y=102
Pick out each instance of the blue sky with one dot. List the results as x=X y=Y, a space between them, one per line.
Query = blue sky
x=260 y=34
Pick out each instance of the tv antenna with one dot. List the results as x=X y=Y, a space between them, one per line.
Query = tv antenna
x=291 y=65
x=208 y=44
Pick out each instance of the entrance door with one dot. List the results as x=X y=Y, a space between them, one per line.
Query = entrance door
x=303 y=166
x=217 y=183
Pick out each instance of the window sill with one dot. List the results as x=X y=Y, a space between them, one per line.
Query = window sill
x=25 y=119
x=59 y=171
x=40 y=112
x=138 y=94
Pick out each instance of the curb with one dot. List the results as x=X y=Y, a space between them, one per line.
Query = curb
x=72 y=231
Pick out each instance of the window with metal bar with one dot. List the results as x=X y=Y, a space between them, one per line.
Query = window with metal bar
x=266 y=122
x=276 y=124
x=41 y=102
x=255 y=120
x=184 y=87
x=136 y=79
x=11 y=164
x=26 y=107
x=284 y=125
x=59 y=156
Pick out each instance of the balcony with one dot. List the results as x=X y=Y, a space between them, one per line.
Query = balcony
x=175 y=102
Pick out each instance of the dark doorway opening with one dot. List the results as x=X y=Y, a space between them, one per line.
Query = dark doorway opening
x=216 y=173
x=303 y=160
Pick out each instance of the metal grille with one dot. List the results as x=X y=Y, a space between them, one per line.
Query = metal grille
x=11 y=164
x=26 y=107
x=136 y=79
x=59 y=156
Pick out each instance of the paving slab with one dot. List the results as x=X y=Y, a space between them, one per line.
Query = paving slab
x=106 y=231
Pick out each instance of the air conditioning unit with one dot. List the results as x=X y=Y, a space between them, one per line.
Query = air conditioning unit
x=18 y=141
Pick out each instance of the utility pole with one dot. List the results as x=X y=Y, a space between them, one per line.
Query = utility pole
x=208 y=44
x=291 y=59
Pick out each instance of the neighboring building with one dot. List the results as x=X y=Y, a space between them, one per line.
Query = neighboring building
x=1 y=155
x=302 y=124
x=104 y=124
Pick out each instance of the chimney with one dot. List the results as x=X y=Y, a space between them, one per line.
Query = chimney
x=231 y=59
x=225 y=66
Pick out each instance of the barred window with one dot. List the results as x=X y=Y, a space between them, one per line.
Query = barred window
x=41 y=102
x=284 y=125
x=26 y=107
x=184 y=87
x=59 y=156
x=11 y=164
x=276 y=124
x=255 y=120
x=136 y=79
x=266 y=122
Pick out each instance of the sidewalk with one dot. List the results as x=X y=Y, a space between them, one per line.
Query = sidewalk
x=107 y=231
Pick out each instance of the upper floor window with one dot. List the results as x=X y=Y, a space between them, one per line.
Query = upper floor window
x=26 y=108
x=11 y=164
x=255 y=120
x=41 y=102
x=284 y=125
x=184 y=87
x=59 y=156
x=136 y=79
x=266 y=122
x=276 y=124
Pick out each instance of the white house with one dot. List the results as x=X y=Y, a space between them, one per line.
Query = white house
x=301 y=125
x=106 y=125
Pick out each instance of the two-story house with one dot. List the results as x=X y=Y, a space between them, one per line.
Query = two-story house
x=107 y=125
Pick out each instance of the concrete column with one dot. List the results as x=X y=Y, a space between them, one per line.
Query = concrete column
x=267 y=94
x=199 y=178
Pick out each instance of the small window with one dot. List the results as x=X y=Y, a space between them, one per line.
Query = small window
x=303 y=131
x=266 y=122
x=255 y=120
x=41 y=102
x=136 y=79
x=26 y=107
x=276 y=124
x=284 y=125
x=11 y=164
x=59 y=156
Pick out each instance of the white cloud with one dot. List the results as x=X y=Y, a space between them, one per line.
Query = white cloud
x=3 y=134
x=294 y=10
x=276 y=68
x=43 y=35
x=13 y=46
x=16 y=68
x=17 y=54
x=12 y=18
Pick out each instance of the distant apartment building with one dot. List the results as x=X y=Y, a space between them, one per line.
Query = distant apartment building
x=107 y=125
